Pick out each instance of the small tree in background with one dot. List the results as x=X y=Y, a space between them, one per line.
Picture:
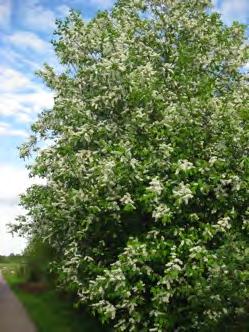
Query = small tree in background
x=146 y=202
x=37 y=257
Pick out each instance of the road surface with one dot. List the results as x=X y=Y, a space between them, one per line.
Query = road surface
x=13 y=317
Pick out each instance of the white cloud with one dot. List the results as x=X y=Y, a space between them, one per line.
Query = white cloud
x=12 y=80
x=233 y=10
x=37 y=17
x=41 y=18
x=25 y=106
x=11 y=107
x=20 y=97
x=28 y=40
x=63 y=10
x=13 y=182
x=8 y=243
x=18 y=60
x=27 y=62
x=7 y=130
x=5 y=13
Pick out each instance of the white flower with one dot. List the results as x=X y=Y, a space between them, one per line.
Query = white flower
x=223 y=224
x=155 y=186
x=166 y=149
x=126 y=199
x=174 y=265
x=161 y=211
x=236 y=183
x=109 y=309
x=245 y=224
x=183 y=165
x=196 y=249
x=226 y=182
x=133 y=163
x=212 y=160
x=183 y=193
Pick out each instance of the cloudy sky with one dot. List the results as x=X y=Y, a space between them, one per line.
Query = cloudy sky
x=26 y=28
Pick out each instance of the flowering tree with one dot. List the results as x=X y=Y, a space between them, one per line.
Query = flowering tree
x=146 y=201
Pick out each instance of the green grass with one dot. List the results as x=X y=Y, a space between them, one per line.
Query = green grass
x=49 y=311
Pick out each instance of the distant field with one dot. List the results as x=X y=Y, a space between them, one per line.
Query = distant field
x=11 y=266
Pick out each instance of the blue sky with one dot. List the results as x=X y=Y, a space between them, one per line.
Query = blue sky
x=26 y=27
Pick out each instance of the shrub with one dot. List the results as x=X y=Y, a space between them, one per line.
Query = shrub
x=37 y=257
x=146 y=194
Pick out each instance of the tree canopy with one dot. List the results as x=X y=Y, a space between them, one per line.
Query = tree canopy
x=146 y=201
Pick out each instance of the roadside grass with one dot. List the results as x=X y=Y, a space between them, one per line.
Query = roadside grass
x=50 y=311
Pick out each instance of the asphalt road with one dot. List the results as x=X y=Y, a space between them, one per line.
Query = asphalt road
x=13 y=317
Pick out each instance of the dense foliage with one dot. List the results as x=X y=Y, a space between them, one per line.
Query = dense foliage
x=36 y=259
x=147 y=195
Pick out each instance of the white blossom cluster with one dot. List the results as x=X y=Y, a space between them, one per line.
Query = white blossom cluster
x=223 y=224
x=183 y=193
x=161 y=211
x=155 y=186
x=184 y=165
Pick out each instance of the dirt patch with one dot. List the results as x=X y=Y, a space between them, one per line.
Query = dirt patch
x=34 y=287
